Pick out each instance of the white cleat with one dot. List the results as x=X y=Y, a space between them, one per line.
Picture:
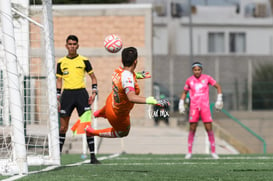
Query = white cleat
x=215 y=156
x=188 y=156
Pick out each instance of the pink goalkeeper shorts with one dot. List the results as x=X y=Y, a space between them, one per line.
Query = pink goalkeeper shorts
x=197 y=113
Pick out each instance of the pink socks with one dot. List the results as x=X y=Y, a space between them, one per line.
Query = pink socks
x=212 y=141
x=190 y=141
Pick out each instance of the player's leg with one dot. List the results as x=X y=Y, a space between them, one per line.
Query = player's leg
x=66 y=109
x=120 y=123
x=208 y=127
x=207 y=120
x=101 y=112
x=107 y=132
x=192 y=130
x=63 y=128
x=91 y=145
x=120 y=126
x=193 y=119
x=82 y=105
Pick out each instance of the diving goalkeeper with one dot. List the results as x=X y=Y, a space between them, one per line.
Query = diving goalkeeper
x=125 y=93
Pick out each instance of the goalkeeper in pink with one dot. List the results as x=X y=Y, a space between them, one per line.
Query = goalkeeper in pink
x=198 y=87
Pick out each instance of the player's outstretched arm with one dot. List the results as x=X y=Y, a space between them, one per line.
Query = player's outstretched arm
x=143 y=100
x=132 y=97
x=162 y=102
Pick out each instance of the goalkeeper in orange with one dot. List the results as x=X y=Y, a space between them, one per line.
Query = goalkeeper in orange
x=125 y=93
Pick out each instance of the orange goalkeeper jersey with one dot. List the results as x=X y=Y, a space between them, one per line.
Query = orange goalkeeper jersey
x=120 y=102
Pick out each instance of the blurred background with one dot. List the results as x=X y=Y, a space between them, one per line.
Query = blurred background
x=233 y=39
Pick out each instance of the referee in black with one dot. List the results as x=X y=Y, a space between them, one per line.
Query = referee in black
x=70 y=75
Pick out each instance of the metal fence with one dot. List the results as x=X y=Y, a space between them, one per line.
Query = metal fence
x=236 y=74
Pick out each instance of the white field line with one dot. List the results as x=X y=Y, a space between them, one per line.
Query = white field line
x=180 y=163
x=16 y=177
x=100 y=158
x=183 y=162
x=203 y=158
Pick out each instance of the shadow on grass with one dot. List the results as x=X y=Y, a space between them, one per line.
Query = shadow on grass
x=252 y=170
x=137 y=171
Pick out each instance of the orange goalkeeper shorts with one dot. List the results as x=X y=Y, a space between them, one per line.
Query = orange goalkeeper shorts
x=119 y=122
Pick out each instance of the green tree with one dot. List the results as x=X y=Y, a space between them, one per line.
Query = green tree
x=263 y=87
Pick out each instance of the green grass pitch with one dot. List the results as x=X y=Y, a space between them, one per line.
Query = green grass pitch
x=160 y=167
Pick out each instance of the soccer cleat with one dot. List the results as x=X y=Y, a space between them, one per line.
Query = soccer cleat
x=214 y=156
x=89 y=130
x=188 y=156
x=94 y=161
x=98 y=114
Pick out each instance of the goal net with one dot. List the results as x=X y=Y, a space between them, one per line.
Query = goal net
x=28 y=107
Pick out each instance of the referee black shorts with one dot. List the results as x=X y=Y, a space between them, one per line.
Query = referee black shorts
x=74 y=98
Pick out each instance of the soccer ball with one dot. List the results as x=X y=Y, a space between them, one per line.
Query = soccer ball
x=112 y=43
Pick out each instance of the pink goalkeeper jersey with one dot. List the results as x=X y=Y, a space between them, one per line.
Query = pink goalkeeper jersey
x=199 y=90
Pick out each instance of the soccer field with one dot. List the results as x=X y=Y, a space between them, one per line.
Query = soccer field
x=158 y=167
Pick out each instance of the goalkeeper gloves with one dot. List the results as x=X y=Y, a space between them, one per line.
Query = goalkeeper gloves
x=161 y=103
x=181 y=106
x=219 y=102
x=151 y=100
x=143 y=75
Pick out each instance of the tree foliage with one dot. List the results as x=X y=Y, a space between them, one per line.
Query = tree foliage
x=263 y=86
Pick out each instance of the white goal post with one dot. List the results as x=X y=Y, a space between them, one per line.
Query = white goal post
x=29 y=129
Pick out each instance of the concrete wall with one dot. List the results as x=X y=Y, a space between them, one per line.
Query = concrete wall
x=256 y=139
